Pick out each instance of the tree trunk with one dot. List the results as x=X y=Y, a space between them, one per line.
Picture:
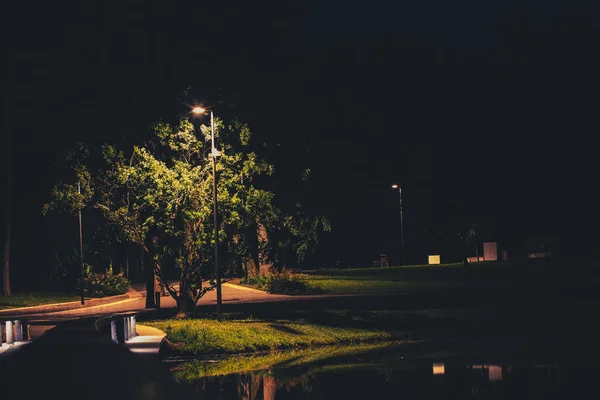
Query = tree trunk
x=127 y=263
x=186 y=306
x=149 y=283
x=269 y=387
x=8 y=221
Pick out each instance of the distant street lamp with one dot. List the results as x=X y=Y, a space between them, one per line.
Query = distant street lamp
x=214 y=153
x=394 y=186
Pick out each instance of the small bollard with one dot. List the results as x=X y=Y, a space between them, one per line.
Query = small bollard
x=125 y=329
x=9 y=333
x=18 y=331
x=113 y=331
x=133 y=327
x=130 y=322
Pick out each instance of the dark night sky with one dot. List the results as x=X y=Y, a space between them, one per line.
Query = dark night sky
x=493 y=106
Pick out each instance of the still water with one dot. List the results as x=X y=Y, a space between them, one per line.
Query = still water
x=398 y=378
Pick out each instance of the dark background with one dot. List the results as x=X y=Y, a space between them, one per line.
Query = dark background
x=477 y=109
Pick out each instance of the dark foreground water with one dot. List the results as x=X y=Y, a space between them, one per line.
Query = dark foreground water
x=396 y=378
x=65 y=366
x=433 y=381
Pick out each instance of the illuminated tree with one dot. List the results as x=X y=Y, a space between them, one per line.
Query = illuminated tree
x=160 y=197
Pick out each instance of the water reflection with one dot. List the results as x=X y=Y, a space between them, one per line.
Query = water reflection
x=414 y=380
x=491 y=372
x=438 y=369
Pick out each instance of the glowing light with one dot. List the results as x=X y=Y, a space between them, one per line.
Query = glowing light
x=198 y=110
x=434 y=259
x=394 y=186
x=495 y=372
x=438 y=369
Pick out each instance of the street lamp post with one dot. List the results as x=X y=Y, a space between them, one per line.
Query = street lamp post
x=80 y=249
x=214 y=153
x=394 y=186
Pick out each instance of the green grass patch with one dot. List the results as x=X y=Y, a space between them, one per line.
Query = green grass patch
x=402 y=279
x=34 y=299
x=317 y=359
x=517 y=275
x=210 y=337
x=546 y=276
x=352 y=285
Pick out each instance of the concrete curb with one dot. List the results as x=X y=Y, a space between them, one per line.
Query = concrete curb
x=71 y=305
x=247 y=289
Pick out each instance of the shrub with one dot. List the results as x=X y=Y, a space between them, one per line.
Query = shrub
x=105 y=284
x=284 y=282
x=256 y=281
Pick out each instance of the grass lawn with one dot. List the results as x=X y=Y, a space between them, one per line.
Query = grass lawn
x=34 y=299
x=543 y=277
x=524 y=275
x=367 y=285
x=210 y=337
x=400 y=279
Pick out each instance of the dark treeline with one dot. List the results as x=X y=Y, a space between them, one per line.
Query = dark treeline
x=499 y=132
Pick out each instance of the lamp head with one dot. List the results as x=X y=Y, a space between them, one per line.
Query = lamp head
x=198 y=110
x=394 y=186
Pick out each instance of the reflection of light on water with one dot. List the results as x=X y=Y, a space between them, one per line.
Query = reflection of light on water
x=495 y=373
x=438 y=369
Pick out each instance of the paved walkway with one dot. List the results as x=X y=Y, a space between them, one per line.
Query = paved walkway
x=137 y=302
x=230 y=294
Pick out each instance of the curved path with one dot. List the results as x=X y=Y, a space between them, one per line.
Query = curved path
x=137 y=302
x=230 y=294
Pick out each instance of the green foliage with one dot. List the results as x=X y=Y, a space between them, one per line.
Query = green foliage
x=288 y=283
x=284 y=282
x=297 y=235
x=160 y=198
x=104 y=284
x=258 y=281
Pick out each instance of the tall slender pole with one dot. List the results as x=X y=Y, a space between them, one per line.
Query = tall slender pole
x=6 y=289
x=80 y=248
x=401 y=224
x=214 y=168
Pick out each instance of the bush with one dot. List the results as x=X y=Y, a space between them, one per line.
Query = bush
x=284 y=282
x=257 y=281
x=105 y=284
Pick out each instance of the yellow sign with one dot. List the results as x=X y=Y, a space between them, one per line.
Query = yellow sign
x=434 y=259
